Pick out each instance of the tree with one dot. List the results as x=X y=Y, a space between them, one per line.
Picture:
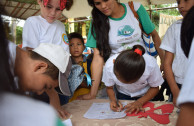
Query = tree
x=19 y=35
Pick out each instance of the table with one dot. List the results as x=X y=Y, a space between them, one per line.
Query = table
x=79 y=107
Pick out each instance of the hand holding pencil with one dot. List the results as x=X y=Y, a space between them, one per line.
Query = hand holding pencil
x=116 y=106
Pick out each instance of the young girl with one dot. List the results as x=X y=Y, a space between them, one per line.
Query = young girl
x=175 y=62
x=135 y=75
x=45 y=28
x=113 y=29
x=185 y=98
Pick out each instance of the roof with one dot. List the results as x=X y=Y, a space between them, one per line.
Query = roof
x=23 y=9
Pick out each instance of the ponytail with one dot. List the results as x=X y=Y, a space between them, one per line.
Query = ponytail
x=130 y=64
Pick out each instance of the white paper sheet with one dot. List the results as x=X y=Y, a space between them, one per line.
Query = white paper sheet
x=103 y=111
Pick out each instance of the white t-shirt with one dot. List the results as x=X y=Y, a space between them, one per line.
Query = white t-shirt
x=187 y=91
x=151 y=77
x=18 y=110
x=37 y=30
x=125 y=32
x=172 y=43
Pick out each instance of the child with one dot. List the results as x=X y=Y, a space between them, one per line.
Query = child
x=76 y=46
x=185 y=99
x=135 y=76
x=15 y=109
x=175 y=62
x=45 y=28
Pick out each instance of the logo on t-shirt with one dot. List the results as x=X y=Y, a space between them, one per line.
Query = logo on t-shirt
x=65 y=38
x=125 y=30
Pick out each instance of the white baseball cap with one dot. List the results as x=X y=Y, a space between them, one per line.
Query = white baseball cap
x=61 y=59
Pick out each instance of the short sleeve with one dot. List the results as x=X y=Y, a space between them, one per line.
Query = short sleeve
x=187 y=91
x=30 y=35
x=107 y=76
x=91 y=41
x=107 y=79
x=155 y=79
x=145 y=20
x=168 y=42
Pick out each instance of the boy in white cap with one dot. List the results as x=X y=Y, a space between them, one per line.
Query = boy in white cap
x=41 y=69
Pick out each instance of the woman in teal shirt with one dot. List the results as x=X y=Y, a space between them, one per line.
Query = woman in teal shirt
x=113 y=29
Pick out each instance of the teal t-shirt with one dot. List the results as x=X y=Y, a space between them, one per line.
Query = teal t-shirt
x=127 y=18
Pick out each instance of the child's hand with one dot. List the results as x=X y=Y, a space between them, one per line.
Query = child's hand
x=115 y=107
x=134 y=106
x=63 y=114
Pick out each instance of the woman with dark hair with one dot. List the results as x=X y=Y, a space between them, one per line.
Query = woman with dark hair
x=135 y=75
x=114 y=28
x=185 y=99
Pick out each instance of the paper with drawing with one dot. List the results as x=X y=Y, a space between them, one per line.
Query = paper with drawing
x=103 y=111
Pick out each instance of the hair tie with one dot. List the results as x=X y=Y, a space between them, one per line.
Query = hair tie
x=45 y=2
x=62 y=3
x=138 y=51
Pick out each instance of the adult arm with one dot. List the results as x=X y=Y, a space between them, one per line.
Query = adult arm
x=97 y=66
x=157 y=42
x=170 y=76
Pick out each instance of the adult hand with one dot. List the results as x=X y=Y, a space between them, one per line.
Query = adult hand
x=134 y=107
x=115 y=107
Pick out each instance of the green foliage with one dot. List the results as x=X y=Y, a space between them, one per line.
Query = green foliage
x=78 y=27
x=156 y=13
x=19 y=35
x=25 y=1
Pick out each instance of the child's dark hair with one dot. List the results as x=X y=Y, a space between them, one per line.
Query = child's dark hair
x=51 y=71
x=130 y=65
x=76 y=35
x=187 y=31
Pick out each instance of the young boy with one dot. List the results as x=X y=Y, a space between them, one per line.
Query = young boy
x=16 y=109
x=45 y=28
x=76 y=47
x=41 y=69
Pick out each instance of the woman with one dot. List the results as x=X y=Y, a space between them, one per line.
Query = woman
x=114 y=28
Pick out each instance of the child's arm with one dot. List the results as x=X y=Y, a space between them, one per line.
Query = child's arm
x=55 y=102
x=170 y=76
x=137 y=105
x=113 y=101
x=186 y=115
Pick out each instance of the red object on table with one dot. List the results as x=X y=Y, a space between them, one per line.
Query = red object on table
x=162 y=118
